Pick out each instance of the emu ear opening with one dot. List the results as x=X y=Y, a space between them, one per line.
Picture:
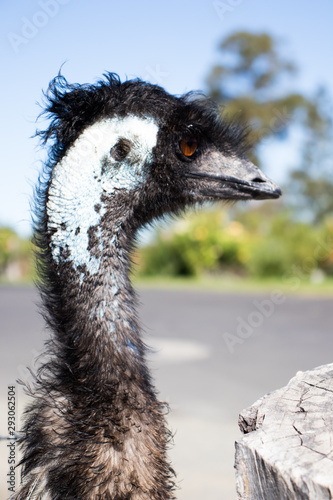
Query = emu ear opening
x=121 y=149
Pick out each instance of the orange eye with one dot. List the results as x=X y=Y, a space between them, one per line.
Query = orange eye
x=189 y=146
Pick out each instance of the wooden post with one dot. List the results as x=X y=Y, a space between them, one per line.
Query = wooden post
x=286 y=452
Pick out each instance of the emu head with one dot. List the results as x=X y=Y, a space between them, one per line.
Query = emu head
x=124 y=153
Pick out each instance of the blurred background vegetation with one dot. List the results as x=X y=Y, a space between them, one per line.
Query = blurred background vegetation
x=16 y=257
x=288 y=238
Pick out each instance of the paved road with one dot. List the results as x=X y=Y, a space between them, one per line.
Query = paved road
x=215 y=353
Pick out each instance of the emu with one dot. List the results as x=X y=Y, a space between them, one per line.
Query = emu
x=120 y=155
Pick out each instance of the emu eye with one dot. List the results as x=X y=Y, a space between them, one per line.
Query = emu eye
x=189 y=146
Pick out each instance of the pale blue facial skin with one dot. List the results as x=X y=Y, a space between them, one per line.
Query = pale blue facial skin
x=78 y=182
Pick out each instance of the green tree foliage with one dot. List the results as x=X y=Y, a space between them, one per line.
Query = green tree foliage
x=312 y=181
x=191 y=247
x=282 y=246
x=247 y=83
x=259 y=244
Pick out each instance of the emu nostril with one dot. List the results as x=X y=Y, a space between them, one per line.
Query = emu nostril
x=258 y=179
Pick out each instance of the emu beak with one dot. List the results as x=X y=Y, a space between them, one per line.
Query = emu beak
x=231 y=177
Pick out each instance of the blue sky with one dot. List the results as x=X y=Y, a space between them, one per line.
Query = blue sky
x=172 y=43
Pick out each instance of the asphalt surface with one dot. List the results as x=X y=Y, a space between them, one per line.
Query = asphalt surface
x=214 y=354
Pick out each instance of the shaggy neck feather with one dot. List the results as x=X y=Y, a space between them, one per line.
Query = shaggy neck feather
x=102 y=332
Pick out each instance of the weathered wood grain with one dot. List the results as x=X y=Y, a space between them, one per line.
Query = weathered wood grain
x=287 y=448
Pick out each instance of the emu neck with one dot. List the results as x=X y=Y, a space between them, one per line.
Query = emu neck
x=100 y=402
x=102 y=331
x=89 y=206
